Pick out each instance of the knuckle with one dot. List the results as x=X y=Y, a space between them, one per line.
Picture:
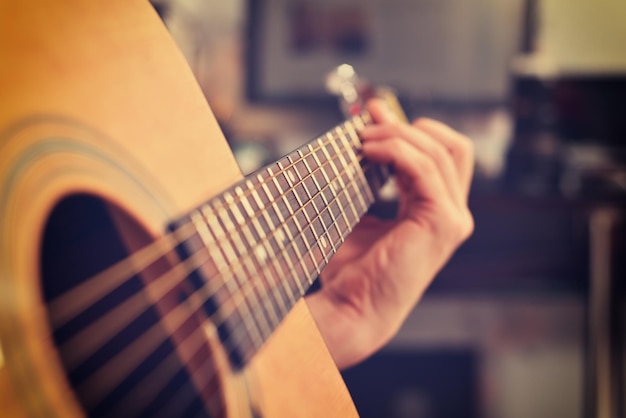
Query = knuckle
x=427 y=167
x=470 y=224
x=461 y=224
x=467 y=225
x=465 y=146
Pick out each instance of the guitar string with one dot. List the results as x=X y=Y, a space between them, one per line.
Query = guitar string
x=153 y=383
x=142 y=343
x=214 y=374
x=90 y=339
x=96 y=380
x=112 y=322
x=177 y=369
x=70 y=304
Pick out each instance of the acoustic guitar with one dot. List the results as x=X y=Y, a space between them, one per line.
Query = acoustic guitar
x=140 y=274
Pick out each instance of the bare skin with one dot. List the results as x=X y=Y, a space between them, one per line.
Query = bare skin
x=384 y=267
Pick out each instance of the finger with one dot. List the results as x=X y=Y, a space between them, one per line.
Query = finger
x=380 y=112
x=433 y=148
x=460 y=146
x=426 y=182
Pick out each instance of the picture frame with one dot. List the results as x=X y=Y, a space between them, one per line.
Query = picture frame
x=454 y=51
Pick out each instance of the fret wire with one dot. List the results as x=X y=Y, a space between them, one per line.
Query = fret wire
x=332 y=186
x=265 y=235
x=319 y=188
x=207 y=239
x=223 y=221
x=292 y=237
x=273 y=262
x=303 y=211
x=288 y=174
x=310 y=202
x=281 y=243
x=315 y=208
x=362 y=180
x=339 y=178
x=214 y=251
x=324 y=197
x=351 y=128
x=293 y=218
x=217 y=231
x=263 y=294
x=347 y=155
x=251 y=241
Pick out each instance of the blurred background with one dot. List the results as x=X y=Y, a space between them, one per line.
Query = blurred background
x=528 y=318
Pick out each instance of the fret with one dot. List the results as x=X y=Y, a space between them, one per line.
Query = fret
x=281 y=242
x=358 y=172
x=272 y=189
x=250 y=299
x=217 y=232
x=246 y=261
x=259 y=254
x=346 y=203
x=353 y=146
x=273 y=262
x=367 y=118
x=311 y=241
x=290 y=197
x=353 y=135
x=332 y=188
x=326 y=189
x=266 y=234
x=296 y=231
x=349 y=169
x=210 y=267
x=317 y=204
x=320 y=154
x=296 y=186
x=320 y=202
x=261 y=250
x=299 y=167
x=359 y=121
x=244 y=266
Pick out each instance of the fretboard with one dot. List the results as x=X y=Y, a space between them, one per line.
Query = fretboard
x=269 y=236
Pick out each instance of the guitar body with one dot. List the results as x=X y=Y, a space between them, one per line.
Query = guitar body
x=100 y=113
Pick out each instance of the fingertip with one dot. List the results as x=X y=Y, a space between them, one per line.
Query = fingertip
x=424 y=121
x=380 y=111
x=372 y=149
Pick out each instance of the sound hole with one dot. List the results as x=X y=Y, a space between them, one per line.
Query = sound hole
x=127 y=351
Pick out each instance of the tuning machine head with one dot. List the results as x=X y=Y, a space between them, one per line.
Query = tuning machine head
x=353 y=92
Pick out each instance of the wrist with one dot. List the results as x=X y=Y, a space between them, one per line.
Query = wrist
x=350 y=336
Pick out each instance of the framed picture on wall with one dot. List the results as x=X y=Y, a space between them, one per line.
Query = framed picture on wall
x=448 y=50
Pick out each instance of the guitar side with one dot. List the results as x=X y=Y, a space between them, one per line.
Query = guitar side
x=142 y=137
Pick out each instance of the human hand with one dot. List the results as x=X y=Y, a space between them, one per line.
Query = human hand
x=384 y=267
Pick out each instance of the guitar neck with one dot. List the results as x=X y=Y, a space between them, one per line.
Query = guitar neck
x=269 y=236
